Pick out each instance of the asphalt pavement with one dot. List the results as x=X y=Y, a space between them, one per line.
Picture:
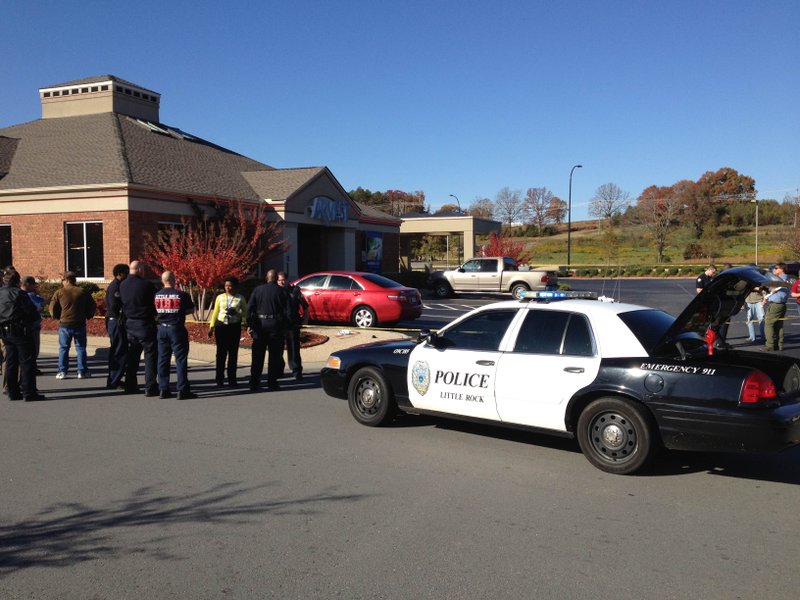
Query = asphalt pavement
x=283 y=495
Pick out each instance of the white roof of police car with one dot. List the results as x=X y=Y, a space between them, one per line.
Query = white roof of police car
x=612 y=336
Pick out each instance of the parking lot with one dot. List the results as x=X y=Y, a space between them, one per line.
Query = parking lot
x=283 y=495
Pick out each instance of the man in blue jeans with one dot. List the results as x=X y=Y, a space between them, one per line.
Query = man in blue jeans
x=172 y=306
x=71 y=306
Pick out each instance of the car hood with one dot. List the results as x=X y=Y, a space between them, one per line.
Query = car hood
x=720 y=300
x=381 y=346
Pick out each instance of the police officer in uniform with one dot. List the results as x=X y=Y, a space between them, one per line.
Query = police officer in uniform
x=267 y=320
x=172 y=307
x=703 y=280
x=17 y=315
x=138 y=305
x=115 y=327
x=296 y=303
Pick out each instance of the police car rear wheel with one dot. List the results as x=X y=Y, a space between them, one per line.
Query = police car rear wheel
x=370 y=400
x=364 y=317
x=616 y=435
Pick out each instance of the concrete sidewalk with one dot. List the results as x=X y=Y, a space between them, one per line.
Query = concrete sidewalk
x=314 y=357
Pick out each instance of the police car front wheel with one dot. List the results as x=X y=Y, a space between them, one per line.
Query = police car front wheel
x=370 y=399
x=616 y=435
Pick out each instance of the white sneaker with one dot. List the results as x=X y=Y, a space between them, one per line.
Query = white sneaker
x=61 y=375
x=84 y=375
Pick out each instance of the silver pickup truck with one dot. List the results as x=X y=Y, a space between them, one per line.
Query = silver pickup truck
x=493 y=274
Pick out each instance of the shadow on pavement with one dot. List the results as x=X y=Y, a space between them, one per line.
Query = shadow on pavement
x=64 y=534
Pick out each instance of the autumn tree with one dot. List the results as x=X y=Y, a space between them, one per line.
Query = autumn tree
x=448 y=209
x=481 y=207
x=557 y=210
x=712 y=194
x=394 y=202
x=536 y=204
x=608 y=202
x=658 y=208
x=508 y=206
x=500 y=245
x=397 y=202
x=203 y=251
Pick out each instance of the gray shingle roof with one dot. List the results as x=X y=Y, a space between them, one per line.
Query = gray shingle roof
x=279 y=184
x=374 y=213
x=112 y=148
x=8 y=147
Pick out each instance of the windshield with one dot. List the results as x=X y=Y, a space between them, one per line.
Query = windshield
x=648 y=325
x=382 y=281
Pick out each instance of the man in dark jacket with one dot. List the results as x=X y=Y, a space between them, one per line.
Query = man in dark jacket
x=72 y=305
x=115 y=326
x=17 y=315
x=266 y=318
x=172 y=306
x=297 y=307
x=138 y=305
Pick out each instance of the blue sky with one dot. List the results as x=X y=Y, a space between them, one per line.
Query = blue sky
x=445 y=97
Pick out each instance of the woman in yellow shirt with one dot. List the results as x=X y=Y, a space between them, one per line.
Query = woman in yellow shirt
x=227 y=319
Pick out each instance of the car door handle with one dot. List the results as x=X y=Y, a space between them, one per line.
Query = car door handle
x=485 y=363
x=574 y=369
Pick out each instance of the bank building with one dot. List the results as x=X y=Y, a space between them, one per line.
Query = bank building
x=80 y=187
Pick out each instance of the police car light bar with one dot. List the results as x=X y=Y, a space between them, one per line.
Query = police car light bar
x=544 y=296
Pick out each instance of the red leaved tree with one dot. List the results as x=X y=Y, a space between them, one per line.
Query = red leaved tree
x=202 y=252
x=499 y=245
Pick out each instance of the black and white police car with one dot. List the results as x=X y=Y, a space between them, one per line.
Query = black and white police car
x=623 y=379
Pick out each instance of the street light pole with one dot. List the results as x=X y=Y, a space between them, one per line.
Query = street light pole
x=755 y=200
x=457 y=202
x=569 y=217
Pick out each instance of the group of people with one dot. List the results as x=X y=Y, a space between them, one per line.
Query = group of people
x=765 y=309
x=142 y=320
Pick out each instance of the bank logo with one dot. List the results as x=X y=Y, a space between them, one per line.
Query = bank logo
x=421 y=377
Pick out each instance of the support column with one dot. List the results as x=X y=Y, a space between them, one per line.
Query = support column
x=290 y=256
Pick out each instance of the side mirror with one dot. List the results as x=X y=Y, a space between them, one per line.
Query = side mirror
x=461 y=269
x=428 y=337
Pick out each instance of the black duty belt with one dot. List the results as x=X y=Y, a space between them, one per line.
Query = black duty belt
x=266 y=316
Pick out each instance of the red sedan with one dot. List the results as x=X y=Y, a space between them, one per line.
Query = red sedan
x=363 y=299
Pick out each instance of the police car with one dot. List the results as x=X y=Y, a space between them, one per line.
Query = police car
x=622 y=379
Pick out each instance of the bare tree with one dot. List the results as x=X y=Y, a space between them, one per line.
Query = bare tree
x=481 y=207
x=557 y=210
x=537 y=204
x=658 y=209
x=508 y=206
x=609 y=201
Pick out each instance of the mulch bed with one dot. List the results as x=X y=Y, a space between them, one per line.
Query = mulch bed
x=198 y=332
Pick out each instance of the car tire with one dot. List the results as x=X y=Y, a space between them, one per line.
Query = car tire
x=616 y=435
x=518 y=289
x=370 y=399
x=364 y=317
x=442 y=289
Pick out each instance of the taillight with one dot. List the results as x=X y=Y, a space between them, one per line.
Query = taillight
x=757 y=388
x=545 y=279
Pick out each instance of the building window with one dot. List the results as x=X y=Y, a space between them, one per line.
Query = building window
x=6 y=259
x=85 y=248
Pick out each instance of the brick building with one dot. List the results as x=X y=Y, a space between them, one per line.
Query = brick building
x=80 y=186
